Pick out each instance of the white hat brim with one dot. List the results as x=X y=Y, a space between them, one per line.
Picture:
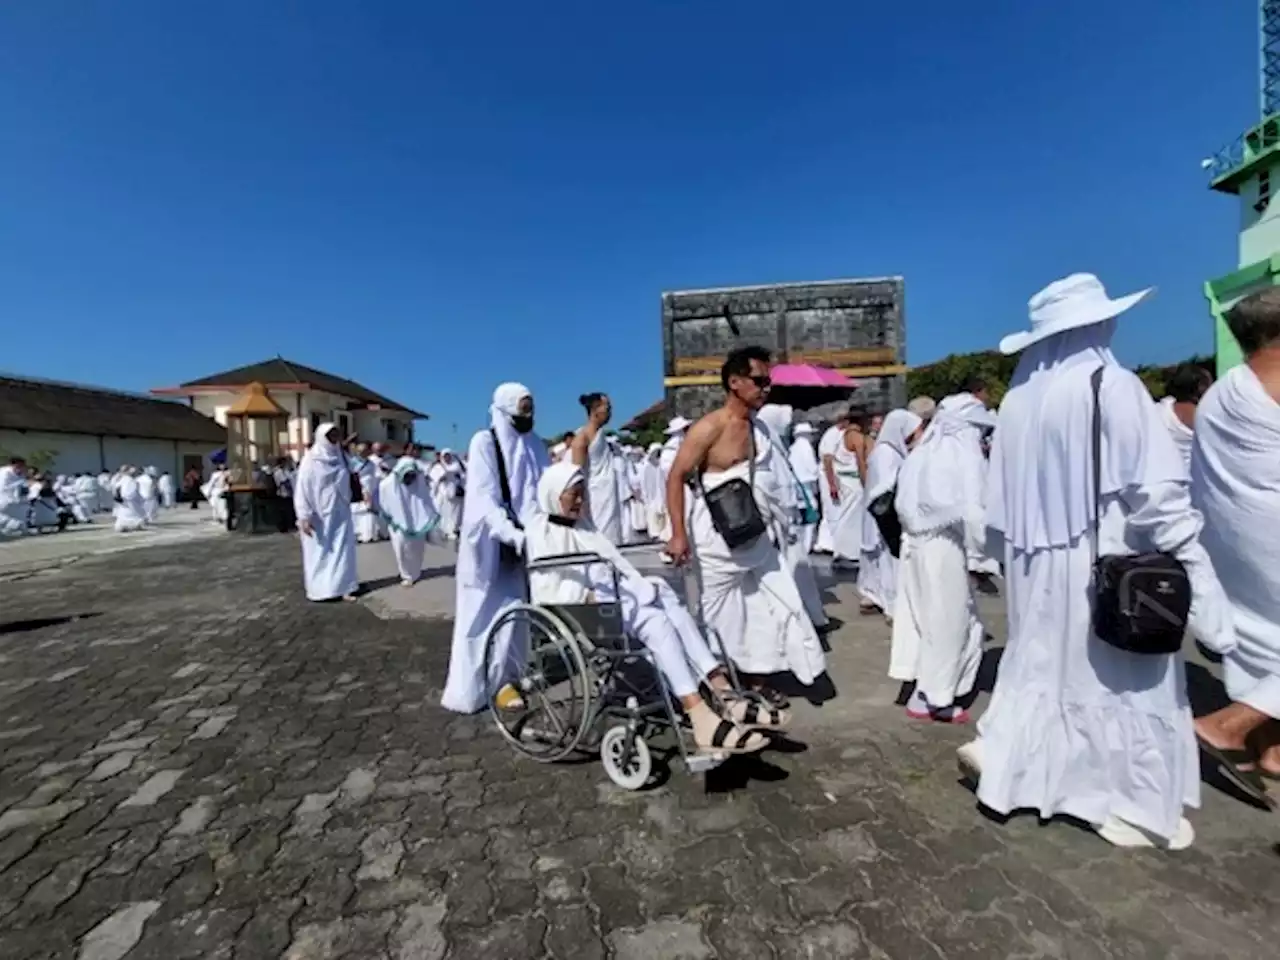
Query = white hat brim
x=1017 y=342
x=677 y=427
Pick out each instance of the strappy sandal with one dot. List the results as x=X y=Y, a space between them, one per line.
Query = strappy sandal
x=1228 y=760
x=731 y=738
x=755 y=713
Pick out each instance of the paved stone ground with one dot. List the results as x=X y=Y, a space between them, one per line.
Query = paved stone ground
x=204 y=765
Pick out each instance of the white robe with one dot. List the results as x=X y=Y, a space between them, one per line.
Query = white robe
x=831 y=440
x=105 y=501
x=804 y=463
x=602 y=489
x=655 y=496
x=637 y=512
x=164 y=487
x=447 y=484
x=747 y=595
x=14 y=506
x=877 y=567
x=666 y=460
x=365 y=513
x=322 y=497
x=484 y=587
x=130 y=511
x=1235 y=482
x=150 y=498
x=1181 y=434
x=215 y=492
x=846 y=528
x=86 y=489
x=937 y=635
x=781 y=486
x=1112 y=734
x=411 y=518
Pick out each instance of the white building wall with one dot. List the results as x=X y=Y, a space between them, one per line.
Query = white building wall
x=72 y=452
x=86 y=453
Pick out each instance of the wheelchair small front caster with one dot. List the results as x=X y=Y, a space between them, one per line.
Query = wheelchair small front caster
x=629 y=769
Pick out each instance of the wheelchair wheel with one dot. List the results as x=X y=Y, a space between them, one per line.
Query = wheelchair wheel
x=553 y=682
x=628 y=768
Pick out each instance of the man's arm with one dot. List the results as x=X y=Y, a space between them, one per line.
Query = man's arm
x=856 y=443
x=829 y=471
x=689 y=458
x=578 y=449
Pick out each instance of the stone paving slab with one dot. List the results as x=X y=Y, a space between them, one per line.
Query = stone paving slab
x=204 y=765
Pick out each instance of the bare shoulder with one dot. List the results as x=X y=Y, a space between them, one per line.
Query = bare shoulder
x=708 y=427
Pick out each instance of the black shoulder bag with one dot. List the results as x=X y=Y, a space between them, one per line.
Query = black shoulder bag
x=885 y=514
x=1141 y=604
x=508 y=556
x=732 y=505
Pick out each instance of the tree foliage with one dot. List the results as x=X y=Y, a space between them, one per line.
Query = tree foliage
x=948 y=375
x=38 y=461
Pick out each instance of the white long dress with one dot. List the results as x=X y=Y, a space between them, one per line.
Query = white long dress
x=447 y=485
x=1111 y=734
x=1235 y=481
x=602 y=489
x=655 y=494
x=86 y=489
x=485 y=585
x=410 y=516
x=804 y=462
x=14 y=507
x=747 y=594
x=150 y=497
x=322 y=496
x=130 y=509
x=937 y=636
x=164 y=487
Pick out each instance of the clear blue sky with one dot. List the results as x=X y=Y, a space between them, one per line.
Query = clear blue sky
x=435 y=197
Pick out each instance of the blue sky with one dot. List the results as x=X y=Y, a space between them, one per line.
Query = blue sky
x=435 y=197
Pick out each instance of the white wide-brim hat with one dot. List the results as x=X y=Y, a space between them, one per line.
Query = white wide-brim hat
x=1079 y=300
x=677 y=424
x=802 y=428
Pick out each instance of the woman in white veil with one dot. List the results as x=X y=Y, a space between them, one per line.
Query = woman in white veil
x=322 y=502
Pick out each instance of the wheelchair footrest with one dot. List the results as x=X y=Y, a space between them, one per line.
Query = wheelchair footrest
x=701 y=762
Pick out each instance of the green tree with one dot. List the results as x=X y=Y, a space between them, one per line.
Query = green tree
x=37 y=460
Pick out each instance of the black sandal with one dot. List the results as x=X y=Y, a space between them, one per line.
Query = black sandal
x=729 y=737
x=1228 y=764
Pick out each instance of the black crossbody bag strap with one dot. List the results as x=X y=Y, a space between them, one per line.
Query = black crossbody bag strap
x=1095 y=381
x=504 y=485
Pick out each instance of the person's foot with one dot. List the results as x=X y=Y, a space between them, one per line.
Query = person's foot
x=715 y=734
x=508 y=698
x=970 y=758
x=1121 y=833
x=406 y=582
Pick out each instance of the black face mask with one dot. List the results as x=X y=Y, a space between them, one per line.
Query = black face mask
x=522 y=423
x=560 y=521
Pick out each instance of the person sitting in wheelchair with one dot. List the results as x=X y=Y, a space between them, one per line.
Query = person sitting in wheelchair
x=651 y=613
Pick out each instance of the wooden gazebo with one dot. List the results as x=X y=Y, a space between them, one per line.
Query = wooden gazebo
x=255 y=423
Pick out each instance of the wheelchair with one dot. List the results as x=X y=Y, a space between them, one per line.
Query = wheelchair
x=587 y=686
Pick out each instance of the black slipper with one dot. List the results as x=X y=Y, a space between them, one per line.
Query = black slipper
x=1228 y=761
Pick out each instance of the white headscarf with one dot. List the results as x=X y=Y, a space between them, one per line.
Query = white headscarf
x=1044 y=428
x=941 y=482
x=545 y=538
x=407 y=506
x=324 y=459
x=885 y=459
x=778 y=418
x=523 y=453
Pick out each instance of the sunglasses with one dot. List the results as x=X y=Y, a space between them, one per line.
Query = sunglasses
x=761 y=380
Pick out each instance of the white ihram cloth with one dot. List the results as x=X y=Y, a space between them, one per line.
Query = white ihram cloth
x=14 y=507
x=655 y=494
x=130 y=510
x=877 y=567
x=1235 y=481
x=410 y=515
x=164 y=487
x=602 y=488
x=150 y=494
x=846 y=528
x=65 y=491
x=622 y=476
x=747 y=595
x=638 y=512
x=831 y=440
x=1182 y=434
x=322 y=497
x=786 y=497
x=804 y=463
x=447 y=484
x=365 y=513
x=651 y=610
x=1076 y=726
x=666 y=460
x=485 y=588
x=86 y=488
x=214 y=492
x=105 y=500
x=937 y=636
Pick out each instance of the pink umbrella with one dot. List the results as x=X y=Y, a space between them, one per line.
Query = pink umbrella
x=807 y=375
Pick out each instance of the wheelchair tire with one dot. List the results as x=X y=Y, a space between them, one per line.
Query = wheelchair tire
x=630 y=772
x=562 y=725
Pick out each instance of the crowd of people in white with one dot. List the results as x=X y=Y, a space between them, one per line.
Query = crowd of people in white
x=1078 y=474
x=33 y=502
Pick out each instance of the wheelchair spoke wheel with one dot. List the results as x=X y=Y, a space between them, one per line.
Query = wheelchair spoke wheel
x=628 y=765
x=545 y=665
